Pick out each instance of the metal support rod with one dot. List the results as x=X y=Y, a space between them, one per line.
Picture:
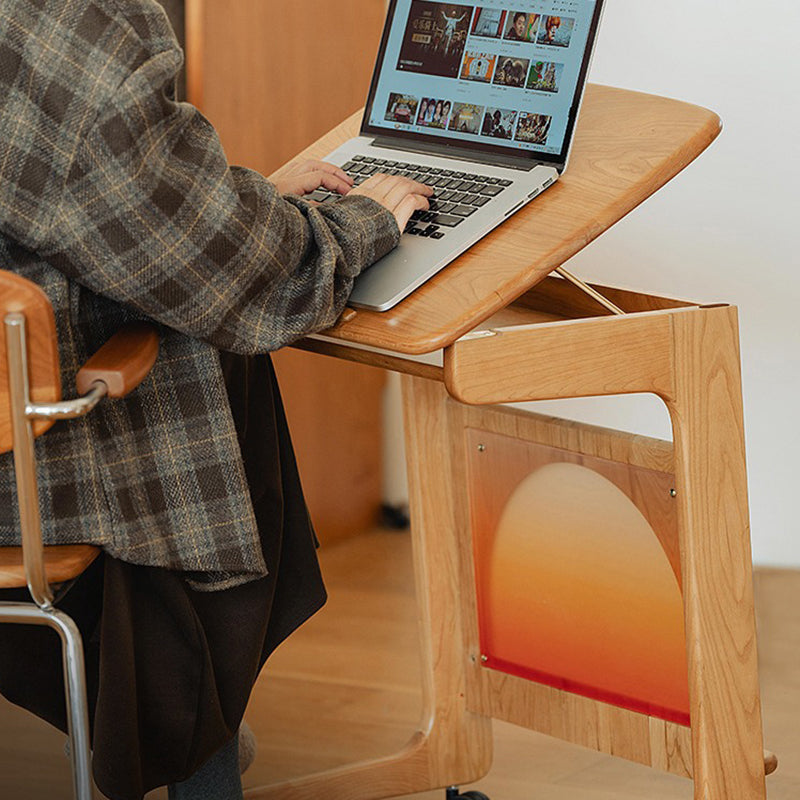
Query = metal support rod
x=25 y=462
x=74 y=686
x=43 y=613
x=68 y=409
x=22 y=412
x=593 y=293
x=77 y=706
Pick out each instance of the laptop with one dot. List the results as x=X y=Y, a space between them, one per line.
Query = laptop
x=479 y=101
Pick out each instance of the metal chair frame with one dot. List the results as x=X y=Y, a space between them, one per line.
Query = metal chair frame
x=42 y=611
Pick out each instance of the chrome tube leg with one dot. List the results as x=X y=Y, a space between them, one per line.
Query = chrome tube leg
x=74 y=684
x=77 y=709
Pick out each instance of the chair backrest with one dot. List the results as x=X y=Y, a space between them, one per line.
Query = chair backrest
x=30 y=396
x=18 y=295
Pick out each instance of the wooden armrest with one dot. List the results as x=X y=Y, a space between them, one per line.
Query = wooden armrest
x=123 y=362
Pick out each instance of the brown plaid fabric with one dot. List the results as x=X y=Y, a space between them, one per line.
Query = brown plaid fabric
x=119 y=202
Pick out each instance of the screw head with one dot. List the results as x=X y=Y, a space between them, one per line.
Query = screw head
x=481 y=448
x=673 y=492
x=484 y=658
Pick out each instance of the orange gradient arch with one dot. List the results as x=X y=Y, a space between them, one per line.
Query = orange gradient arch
x=579 y=594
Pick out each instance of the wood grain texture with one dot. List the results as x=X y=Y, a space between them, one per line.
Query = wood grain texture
x=61 y=563
x=354 y=670
x=703 y=395
x=576 y=358
x=641 y=467
x=451 y=744
x=641 y=452
x=707 y=419
x=345 y=686
x=558 y=296
x=334 y=410
x=371 y=358
x=18 y=295
x=627 y=145
x=195 y=43
x=692 y=352
x=123 y=362
x=250 y=71
x=461 y=742
x=589 y=723
x=553 y=300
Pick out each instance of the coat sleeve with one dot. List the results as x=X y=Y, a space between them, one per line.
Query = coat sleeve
x=153 y=217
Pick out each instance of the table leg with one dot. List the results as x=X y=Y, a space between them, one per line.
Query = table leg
x=706 y=411
x=452 y=744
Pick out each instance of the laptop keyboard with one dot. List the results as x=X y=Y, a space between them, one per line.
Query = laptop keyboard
x=457 y=195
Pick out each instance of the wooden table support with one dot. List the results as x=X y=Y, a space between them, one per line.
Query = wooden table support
x=510 y=334
x=452 y=745
x=690 y=358
x=707 y=421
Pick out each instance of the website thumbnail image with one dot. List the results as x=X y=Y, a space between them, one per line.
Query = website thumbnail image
x=521 y=26
x=436 y=34
x=467 y=118
x=432 y=48
x=542 y=76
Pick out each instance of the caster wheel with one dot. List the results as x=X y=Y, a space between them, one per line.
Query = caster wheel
x=453 y=794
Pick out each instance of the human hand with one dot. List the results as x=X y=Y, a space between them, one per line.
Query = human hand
x=401 y=196
x=306 y=176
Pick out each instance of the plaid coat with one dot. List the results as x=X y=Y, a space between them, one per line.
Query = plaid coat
x=119 y=202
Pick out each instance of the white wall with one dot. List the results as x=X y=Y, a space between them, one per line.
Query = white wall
x=727 y=229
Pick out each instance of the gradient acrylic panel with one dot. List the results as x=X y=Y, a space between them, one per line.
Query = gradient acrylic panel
x=578 y=574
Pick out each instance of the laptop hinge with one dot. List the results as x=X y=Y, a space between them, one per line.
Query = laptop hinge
x=445 y=151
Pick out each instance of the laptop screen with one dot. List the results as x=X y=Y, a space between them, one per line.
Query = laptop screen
x=493 y=76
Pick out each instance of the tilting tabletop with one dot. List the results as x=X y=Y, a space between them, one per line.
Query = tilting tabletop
x=627 y=146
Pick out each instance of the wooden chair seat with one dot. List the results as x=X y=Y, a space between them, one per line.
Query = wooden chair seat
x=62 y=563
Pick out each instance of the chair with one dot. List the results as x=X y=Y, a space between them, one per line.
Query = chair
x=30 y=403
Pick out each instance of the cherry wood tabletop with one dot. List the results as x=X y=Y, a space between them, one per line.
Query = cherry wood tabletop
x=627 y=146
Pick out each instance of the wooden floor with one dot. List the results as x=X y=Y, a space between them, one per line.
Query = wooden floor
x=345 y=687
